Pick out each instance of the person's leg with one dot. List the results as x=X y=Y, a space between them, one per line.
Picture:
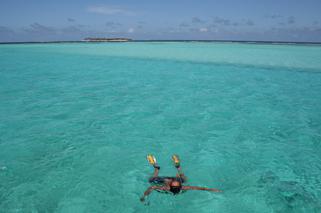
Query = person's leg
x=156 y=171
x=180 y=173
x=152 y=160
x=177 y=165
x=155 y=175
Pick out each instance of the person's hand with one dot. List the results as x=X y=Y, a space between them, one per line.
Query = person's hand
x=215 y=190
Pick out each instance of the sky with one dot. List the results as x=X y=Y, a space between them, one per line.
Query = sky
x=250 y=20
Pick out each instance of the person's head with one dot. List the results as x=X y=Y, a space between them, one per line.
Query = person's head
x=175 y=187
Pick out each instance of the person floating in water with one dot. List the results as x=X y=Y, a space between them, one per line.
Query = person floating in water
x=172 y=185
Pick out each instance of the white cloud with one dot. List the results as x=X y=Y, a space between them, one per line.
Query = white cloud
x=203 y=30
x=131 y=30
x=108 y=10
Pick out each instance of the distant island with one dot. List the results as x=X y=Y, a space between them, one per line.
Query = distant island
x=107 y=39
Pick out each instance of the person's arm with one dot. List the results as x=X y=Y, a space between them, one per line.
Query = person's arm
x=149 y=190
x=200 y=188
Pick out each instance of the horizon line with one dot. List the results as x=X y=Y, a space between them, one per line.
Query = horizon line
x=168 y=40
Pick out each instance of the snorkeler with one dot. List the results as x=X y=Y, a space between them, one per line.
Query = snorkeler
x=173 y=185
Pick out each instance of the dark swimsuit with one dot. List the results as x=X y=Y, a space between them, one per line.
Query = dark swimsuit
x=161 y=180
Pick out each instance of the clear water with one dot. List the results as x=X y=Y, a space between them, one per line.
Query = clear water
x=77 y=120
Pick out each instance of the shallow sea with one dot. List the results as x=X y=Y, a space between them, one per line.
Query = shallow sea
x=77 y=120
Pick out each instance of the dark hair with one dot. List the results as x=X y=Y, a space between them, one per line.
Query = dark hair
x=175 y=189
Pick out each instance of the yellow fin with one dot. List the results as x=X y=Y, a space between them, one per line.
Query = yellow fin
x=176 y=160
x=151 y=159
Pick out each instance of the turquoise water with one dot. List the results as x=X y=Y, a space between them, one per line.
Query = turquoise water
x=77 y=120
